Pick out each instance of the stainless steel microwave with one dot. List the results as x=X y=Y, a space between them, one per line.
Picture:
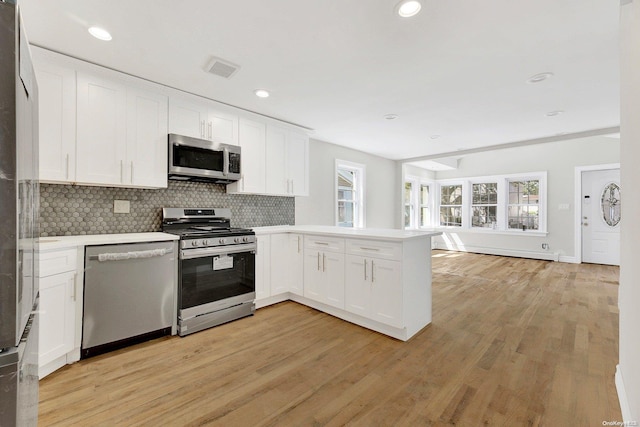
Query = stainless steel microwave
x=192 y=159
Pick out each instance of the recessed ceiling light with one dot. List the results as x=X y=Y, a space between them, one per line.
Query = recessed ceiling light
x=554 y=113
x=539 y=78
x=261 y=93
x=408 y=8
x=100 y=33
x=434 y=136
x=391 y=116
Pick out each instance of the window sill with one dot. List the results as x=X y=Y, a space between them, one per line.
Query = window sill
x=490 y=231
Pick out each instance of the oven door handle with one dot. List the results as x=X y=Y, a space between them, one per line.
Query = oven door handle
x=217 y=251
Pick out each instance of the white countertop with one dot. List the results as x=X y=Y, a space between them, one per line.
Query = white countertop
x=60 y=242
x=365 y=233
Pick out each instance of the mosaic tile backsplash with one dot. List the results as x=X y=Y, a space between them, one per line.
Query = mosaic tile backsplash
x=67 y=210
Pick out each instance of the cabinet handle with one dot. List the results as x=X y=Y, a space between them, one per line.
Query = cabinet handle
x=202 y=135
x=365 y=269
x=122 y=171
x=372 y=271
x=369 y=249
x=132 y=172
x=67 y=166
x=323 y=260
x=318 y=261
x=298 y=244
x=322 y=243
x=73 y=293
x=210 y=130
x=291 y=192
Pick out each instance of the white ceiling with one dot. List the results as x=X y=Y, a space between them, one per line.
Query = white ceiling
x=458 y=69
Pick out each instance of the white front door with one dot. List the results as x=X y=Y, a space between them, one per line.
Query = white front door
x=601 y=216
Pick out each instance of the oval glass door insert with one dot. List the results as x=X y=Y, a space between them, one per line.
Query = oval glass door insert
x=610 y=204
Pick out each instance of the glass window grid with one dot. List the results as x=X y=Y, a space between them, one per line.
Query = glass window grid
x=349 y=207
x=425 y=211
x=451 y=213
x=523 y=207
x=484 y=205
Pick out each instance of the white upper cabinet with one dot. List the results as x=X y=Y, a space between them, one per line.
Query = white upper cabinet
x=287 y=160
x=146 y=138
x=57 y=122
x=121 y=134
x=252 y=161
x=199 y=118
x=101 y=132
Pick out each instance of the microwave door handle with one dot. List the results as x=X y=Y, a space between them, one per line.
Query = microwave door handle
x=225 y=166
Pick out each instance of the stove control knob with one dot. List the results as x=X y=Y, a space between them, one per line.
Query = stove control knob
x=194 y=243
x=245 y=239
x=205 y=242
x=222 y=241
x=236 y=240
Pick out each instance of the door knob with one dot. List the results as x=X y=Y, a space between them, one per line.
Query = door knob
x=585 y=223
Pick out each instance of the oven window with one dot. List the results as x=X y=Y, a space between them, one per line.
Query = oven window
x=202 y=284
x=198 y=158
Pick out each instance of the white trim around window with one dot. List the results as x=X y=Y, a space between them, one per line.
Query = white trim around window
x=417 y=203
x=501 y=224
x=349 y=192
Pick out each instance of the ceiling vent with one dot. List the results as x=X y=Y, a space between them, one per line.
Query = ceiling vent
x=222 y=68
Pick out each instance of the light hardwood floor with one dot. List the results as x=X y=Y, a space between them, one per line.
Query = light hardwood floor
x=513 y=342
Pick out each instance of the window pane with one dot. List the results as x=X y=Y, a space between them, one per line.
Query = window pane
x=523 y=217
x=524 y=192
x=346 y=194
x=345 y=214
x=424 y=216
x=407 y=192
x=424 y=194
x=407 y=215
x=485 y=193
x=451 y=216
x=484 y=216
x=451 y=194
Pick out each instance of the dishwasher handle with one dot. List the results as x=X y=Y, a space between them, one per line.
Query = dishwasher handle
x=120 y=256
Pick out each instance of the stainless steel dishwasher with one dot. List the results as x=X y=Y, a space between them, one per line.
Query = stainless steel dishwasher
x=129 y=294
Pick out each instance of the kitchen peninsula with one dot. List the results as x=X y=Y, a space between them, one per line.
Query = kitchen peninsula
x=376 y=278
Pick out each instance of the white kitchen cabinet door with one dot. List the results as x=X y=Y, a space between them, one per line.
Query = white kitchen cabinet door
x=146 y=157
x=280 y=262
x=57 y=315
x=275 y=157
x=222 y=127
x=386 y=292
x=296 y=265
x=298 y=164
x=333 y=265
x=263 y=267
x=101 y=130
x=358 y=285
x=314 y=287
x=57 y=122
x=188 y=117
x=253 y=144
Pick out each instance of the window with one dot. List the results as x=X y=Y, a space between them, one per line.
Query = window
x=524 y=204
x=484 y=205
x=451 y=205
x=408 y=204
x=425 y=211
x=350 y=194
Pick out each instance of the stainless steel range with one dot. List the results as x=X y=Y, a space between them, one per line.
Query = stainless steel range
x=216 y=267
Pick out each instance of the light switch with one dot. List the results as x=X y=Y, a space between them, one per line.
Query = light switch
x=121 y=206
x=563 y=207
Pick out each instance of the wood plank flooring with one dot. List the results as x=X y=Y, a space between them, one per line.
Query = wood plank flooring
x=513 y=342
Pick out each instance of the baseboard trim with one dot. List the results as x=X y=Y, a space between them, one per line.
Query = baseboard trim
x=549 y=256
x=568 y=259
x=622 y=397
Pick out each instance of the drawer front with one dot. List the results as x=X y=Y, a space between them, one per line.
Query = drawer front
x=55 y=262
x=375 y=249
x=322 y=243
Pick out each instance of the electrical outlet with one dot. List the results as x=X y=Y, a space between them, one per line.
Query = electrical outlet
x=121 y=206
x=545 y=246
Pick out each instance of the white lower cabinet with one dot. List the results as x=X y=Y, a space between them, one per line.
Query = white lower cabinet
x=373 y=289
x=279 y=263
x=263 y=267
x=324 y=270
x=295 y=263
x=58 y=300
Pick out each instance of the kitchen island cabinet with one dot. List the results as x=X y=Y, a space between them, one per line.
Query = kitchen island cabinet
x=380 y=279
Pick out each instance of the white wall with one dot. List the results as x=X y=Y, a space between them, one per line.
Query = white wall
x=559 y=159
x=628 y=377
x=380 y=187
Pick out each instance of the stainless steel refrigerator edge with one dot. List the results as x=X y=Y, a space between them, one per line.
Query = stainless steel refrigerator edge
x=19 y=203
